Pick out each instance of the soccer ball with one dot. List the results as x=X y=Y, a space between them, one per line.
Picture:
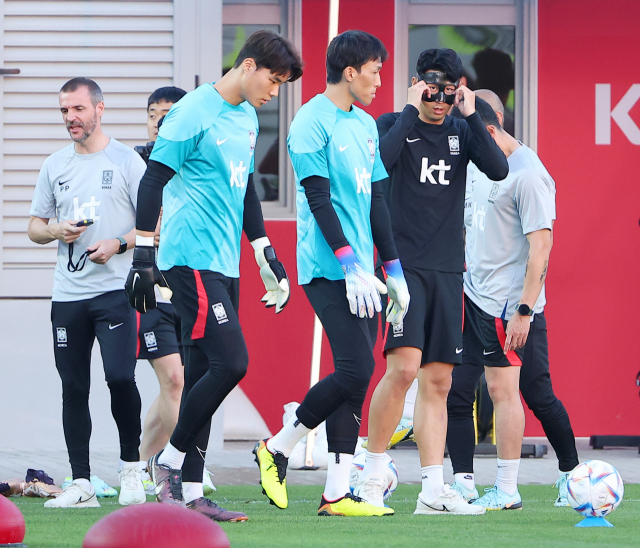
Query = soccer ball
x=358 y=464
x=594 y=488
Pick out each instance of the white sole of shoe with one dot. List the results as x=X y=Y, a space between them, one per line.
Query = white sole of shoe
x=130 y=502
x=423 y=509
x=91 y=503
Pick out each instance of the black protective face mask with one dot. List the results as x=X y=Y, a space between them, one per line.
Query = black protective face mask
x=439 y=79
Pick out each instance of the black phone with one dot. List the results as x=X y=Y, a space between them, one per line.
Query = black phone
x=85 y=222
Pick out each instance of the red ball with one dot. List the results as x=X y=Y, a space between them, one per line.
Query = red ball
x=11 y=522
x=155 y=525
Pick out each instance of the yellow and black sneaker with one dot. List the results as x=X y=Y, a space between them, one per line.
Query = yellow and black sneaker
x=350 y=505
x=403 y=432
x=273 y=469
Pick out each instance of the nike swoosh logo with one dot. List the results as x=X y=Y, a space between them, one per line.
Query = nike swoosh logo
x=219 y=142
x=114 y=326
x=487 y=353
x=343 y=148
x=64 y=182
x=412 y=140
x=458 y=350
x=358 y=419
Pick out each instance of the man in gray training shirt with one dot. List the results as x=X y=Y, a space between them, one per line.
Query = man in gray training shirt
x=91 y=187
x=508 y=242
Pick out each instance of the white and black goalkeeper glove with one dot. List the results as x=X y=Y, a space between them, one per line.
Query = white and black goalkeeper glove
x=143 y=277
x=273 y=275
x=363 y=288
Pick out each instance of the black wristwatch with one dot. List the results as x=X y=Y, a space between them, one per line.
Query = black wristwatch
x=123 y=245
x=524 y=310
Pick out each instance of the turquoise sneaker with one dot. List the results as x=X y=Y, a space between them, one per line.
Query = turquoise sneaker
x=467 y=494
x=102 y=488
x=495 y=499
x=67 y=481
x=561 y=484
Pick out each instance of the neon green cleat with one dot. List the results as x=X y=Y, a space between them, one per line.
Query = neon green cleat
x=350 y=505
x=273 y=470
x=403 y=432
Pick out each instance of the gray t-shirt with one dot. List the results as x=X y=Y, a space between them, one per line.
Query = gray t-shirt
x=498 y=216
x=102 y=186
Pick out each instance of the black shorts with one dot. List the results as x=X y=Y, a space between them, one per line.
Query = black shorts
x=206 y=301
x=434 y=320
x=484 y=337
x=159 y=332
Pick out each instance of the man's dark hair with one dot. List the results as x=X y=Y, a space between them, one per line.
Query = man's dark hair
x=494 y=71
x=443 y=60
x=485 y=110
x=272 y=51
x=94 y=89
x=169 y=94
x=352 y=48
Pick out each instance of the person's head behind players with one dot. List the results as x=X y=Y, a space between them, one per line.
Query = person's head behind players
x=265 y=62
x=82 y=105
x=446 y=67
x=158 y=105
x=354 y=59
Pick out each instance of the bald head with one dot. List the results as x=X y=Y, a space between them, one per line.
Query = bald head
x=492 y=99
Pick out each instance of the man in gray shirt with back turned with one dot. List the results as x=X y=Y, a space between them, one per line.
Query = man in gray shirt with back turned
x=91 y=187
x=509 y=234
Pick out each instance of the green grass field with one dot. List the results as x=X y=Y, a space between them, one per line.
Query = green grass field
x=539 y=524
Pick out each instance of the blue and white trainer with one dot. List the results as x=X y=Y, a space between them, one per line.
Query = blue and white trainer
x=561 y=484
x=495 y=499
x=467 y=494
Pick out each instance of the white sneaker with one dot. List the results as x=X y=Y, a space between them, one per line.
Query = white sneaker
x=448 y=502
x=74 y=496
x=207 y=484
x=131 y=488
x=371 y=489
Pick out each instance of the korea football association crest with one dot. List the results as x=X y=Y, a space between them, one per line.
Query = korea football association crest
x=220 y=313
x=252 y=140
x=61 y=337
x=150 y=341
x=454 y=145
x=107 y=178
x=372 y=148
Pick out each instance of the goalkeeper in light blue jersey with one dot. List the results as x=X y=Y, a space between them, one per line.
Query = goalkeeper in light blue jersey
x=203 y=161
x=341 y=212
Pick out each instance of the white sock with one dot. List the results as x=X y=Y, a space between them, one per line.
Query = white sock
x=410 y=400
x=374 y=464
x=466 y=479
x=85 y=484
x=432 y=481
x=338 y=472
x=507 y=479
x=191 y=491
x=171 y=456
x=290 y=434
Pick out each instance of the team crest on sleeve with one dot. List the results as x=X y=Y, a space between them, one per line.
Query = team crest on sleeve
x=107 y=178
x=372 y=148
x=252 y=140
x=454 y=145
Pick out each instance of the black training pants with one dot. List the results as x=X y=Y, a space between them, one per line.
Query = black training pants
x=536 y=390
x=338 y=398
x=76 y=325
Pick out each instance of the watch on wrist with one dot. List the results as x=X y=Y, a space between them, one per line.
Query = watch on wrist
x=524 y=310
x=123 y=245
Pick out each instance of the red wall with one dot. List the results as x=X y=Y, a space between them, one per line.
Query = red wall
x=592 y=287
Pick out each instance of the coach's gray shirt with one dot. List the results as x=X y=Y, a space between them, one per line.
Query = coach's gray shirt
x=498 y=216
x=102 y=186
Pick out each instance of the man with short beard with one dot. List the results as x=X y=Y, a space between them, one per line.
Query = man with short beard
x=91 y=187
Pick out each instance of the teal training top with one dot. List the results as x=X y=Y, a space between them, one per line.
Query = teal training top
x=210 y=144
x=341 y=146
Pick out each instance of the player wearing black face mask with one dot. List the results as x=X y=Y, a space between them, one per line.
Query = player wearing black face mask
x=426 y=154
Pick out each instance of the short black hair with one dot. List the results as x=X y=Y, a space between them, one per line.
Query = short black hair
x=443 y=60
x=169 y=94
x=94 y=89
x=352 y=48
x=487 y=114
x=494 y=71
x=270 y=50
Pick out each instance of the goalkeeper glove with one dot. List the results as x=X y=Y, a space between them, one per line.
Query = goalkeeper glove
x=143 y=276
x=363 y=289
x=398 y=292
x=273 y=274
